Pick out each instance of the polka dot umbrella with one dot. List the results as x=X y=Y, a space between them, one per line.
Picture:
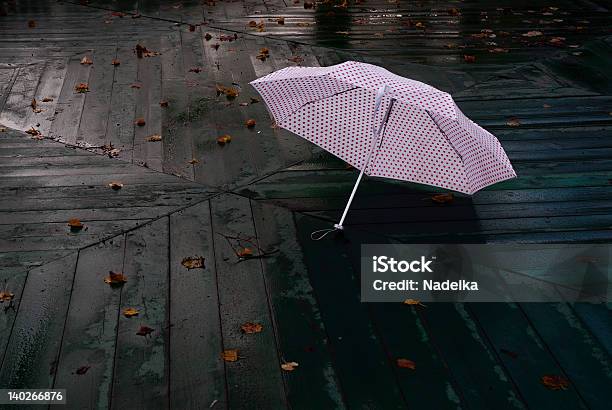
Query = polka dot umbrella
x=385 y=125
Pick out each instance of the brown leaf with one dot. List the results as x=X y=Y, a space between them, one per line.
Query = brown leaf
x=154 y=138
x=36 y=134
x=245 y=252
x=557 y=40
x=280 y=20
x=533 y=33
x=192 y=27
x=546 y=105
x=250 y=123
x=406 y=364
x=555 y=382
x=513 y=122
x=136 y=85
x=207 y=36
x=193 y=262
x=254 y=100
x=144 y=330
x=117 y=14
x=115 y=62
x=195 y=70
x=289 y=366
x=230 y=355
x=163 y=103
x=413 y=302
x=86 y=61
x=224 y=139
x=47 y=99
x=31 y=23
x=140 y=122
x=296 y=59
x=33 y=104
x=6 y=296
x=308 y=5
x=75 y=224
x=230 y=92
x=443 y=198
x=82 y=370
x=498 y=50
x=81 y=88
x=193 y=161
x=129 y=312
x=454 y=12
x=250 y=327
x=469 y=58
x=115 y=278
x=115 y=185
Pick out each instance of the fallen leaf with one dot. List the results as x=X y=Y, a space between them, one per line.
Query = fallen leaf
x=513 y=122
x=230 y=355
x=129 y=312
x=140 y=122
x=509 y=353
x=34 y=106
x=443 y=198
x=193 y=262
x=31 y=23
x=192 y=27
x=86 y=61
x=469 y=58
x=254 y=100
x=413 y=302
x=115 y=185
x=34 y=133
x=250 y=123
x=308 y=5
x=296 y=59
x=154 y=138
x=215 y=46
x=47 y=99
x=2 y=129
x=115 y=278
x=195 y=69
x=224 y=139
x=498 y=50
x=193 y=161
x=6 y=296
x=243 y=104
x=303 y=24
x=454 y=12
x=75 y=224
x=207 y=36
x=289 y=366
x=144 y=330
x=82 y=370
x=263 y=54
x=557 y=40
x=250 y=327
x=230 y=92
x=280 y=20
x=245 y=252
x=81 y=88
x=533 y=33
x=406 y=364
x=546 y=105
x=136 y=85
x=163 y=103
x=115 y=62
x=117 y=14
x=555 y=382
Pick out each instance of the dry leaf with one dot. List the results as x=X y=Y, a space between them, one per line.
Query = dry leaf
x=254 y=100
x=289 y=366
x=406 y=364
x=245 y=252
x=513 y=122
x=47 y=99
x=250 y=327
x=224 y=139
x=230 y=92
x=296 y=59
x=230 y=355
x=163 y=103
x=280 y=20
x=193 y=161
x=413 y=302
x=115 y=278
x=82 y=370
x=443 y=198
x=195 y=70
x=469 y=58
x=546 y=105
x=115 y=62
x=308 y=4
x=6 y=296
x=86 y=61
x=140 y=122
x=454 y=12
x=557 y=40
x=129 y=312
x=532 y=34
x=144 y=330
x=193 y=262
x=75 y=224
x=250 y=123
x=31 y=23
x=555 y=382
x=207 y=37
x=81 y=88
x=136 y=85
x=115 y=185
x=34 y=133
x=154 y=138
x=498 y=50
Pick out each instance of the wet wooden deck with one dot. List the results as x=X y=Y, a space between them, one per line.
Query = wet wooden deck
x=186 y=196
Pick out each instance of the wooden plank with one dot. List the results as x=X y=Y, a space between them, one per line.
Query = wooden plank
x=597 y=318
x=91 y=326
x=197 y=376
x=301 y=334
x=349 y=327
x=12 y=279
x=17 y=105
x=141 y=370
x=33 y=349
x=243 y=297
x=49 y=86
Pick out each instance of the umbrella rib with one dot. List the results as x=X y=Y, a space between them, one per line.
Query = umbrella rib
x=445 y=136
x=313 y=101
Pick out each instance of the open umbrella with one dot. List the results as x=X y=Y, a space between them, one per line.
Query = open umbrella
x=385 y=125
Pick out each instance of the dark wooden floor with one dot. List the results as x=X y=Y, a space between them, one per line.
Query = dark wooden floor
x=186 y=196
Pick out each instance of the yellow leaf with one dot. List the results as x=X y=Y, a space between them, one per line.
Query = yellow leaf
x=193 y=262
x=129 y=312
x=245 y=252
x=75 y=224
x=6 y=296
x=250 y=123
x=115 y=185
x=413 y=302
x=224 y=139
x=250 y=327
x=154 y=138
x=230 y=355
x=115 y=278
x=289 y=366
x=81 y=88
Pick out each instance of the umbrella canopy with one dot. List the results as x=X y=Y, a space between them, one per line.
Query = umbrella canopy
x=385 y=125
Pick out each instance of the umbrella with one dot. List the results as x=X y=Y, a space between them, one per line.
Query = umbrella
x=385 y=125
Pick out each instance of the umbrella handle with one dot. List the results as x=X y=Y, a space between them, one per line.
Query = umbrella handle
x=320 y=234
